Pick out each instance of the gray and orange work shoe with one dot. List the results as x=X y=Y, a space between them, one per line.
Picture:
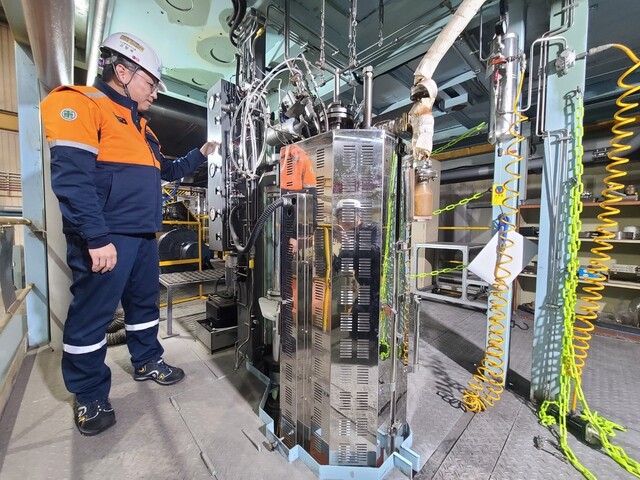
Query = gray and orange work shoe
x=161 y=372
x=94 y=417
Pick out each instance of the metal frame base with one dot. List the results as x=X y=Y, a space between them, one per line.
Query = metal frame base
x=405 y=459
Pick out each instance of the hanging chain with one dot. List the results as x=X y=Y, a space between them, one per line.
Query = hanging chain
x=321 y=60
x=353 y=56
x=380 y=22
x=464 y=201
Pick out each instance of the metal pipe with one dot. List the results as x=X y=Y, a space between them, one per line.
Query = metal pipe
x=101 y=8
x=416 y=333
x=287 y=17
x=483 y=172
x=336 y=85
x=13 y=308
x=14 y=221
x=530 y=86
x=50 y=27
x=368 y=96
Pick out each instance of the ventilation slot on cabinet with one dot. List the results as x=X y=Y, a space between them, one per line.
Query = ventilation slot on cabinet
x=361 y=453
x=362 y=375
x=349 y=185
x=364 y=267
x=320 y=154
x=346 y=295
x=317 y=342
x=349 y=157
x=318 y=368
x=365 y=238
x=347 y=455
x=364 y=295
x=344 y=374
x=317 y=394
x=289 y=170
x=346 y=348
x=320 y=212
x=362 y=399
x=362 y=349
x=346 y=265
x=344 y=400
x=288 y=346
x=288 y=395
x=346 y=321
x=361 y=427
x=366 y=212
x=348 y=240
x=344 y=427
x=319 y=261
x=320 y=181
x=288 y=372
x=316 y=443
x=367 y=160
x=364 y=322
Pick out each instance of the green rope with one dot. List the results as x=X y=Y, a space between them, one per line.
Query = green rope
x=464 y=201
x=387 y=265
x=467 y=134
x=439 y=272
x=569 y=375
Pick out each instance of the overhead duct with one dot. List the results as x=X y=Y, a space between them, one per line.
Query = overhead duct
x=50 y=27
x=101 y=8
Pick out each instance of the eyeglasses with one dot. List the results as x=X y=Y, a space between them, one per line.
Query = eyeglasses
x=152 y=85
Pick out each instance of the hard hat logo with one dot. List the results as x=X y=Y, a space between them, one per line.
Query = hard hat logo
x=132 y=42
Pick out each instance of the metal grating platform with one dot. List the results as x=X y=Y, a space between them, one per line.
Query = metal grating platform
x=188 y=278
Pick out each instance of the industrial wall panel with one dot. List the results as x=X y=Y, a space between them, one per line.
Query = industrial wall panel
x=8 y=90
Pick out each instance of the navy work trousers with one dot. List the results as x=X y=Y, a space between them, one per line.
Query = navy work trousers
x=135 y=283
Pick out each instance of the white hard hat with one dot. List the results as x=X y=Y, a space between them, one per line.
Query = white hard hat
x=348 y=203
x=136 y=50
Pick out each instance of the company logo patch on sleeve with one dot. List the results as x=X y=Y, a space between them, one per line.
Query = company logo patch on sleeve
x=68 y=114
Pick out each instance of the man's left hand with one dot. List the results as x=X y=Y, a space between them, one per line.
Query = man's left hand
x=208 y=148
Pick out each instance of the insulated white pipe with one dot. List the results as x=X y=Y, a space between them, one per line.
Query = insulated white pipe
x=421 y=116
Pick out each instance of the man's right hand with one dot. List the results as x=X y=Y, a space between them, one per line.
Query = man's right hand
x=104 y=258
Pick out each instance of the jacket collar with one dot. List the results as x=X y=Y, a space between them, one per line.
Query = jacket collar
x=116 y=97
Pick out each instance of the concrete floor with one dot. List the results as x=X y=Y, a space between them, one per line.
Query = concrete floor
x=207 y=426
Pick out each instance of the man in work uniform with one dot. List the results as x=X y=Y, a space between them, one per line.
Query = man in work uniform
x=106 y=170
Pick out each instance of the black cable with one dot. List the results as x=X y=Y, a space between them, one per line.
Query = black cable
x=242 y=10
x=235 y=13
x=272 y=207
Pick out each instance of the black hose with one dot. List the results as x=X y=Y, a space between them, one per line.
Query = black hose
x=235 y=13
x=272 y=207
x=242 y=10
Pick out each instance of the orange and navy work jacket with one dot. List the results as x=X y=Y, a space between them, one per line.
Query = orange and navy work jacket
x=106 y=164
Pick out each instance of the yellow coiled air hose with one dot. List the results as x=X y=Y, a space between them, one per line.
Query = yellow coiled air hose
x=488 y=382
x=598 y=266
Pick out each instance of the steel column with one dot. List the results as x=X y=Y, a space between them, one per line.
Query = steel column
x=554 y=204
x=31 y=166
x=500 y=177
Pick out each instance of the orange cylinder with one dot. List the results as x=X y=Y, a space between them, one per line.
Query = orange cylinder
x=423 y=201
